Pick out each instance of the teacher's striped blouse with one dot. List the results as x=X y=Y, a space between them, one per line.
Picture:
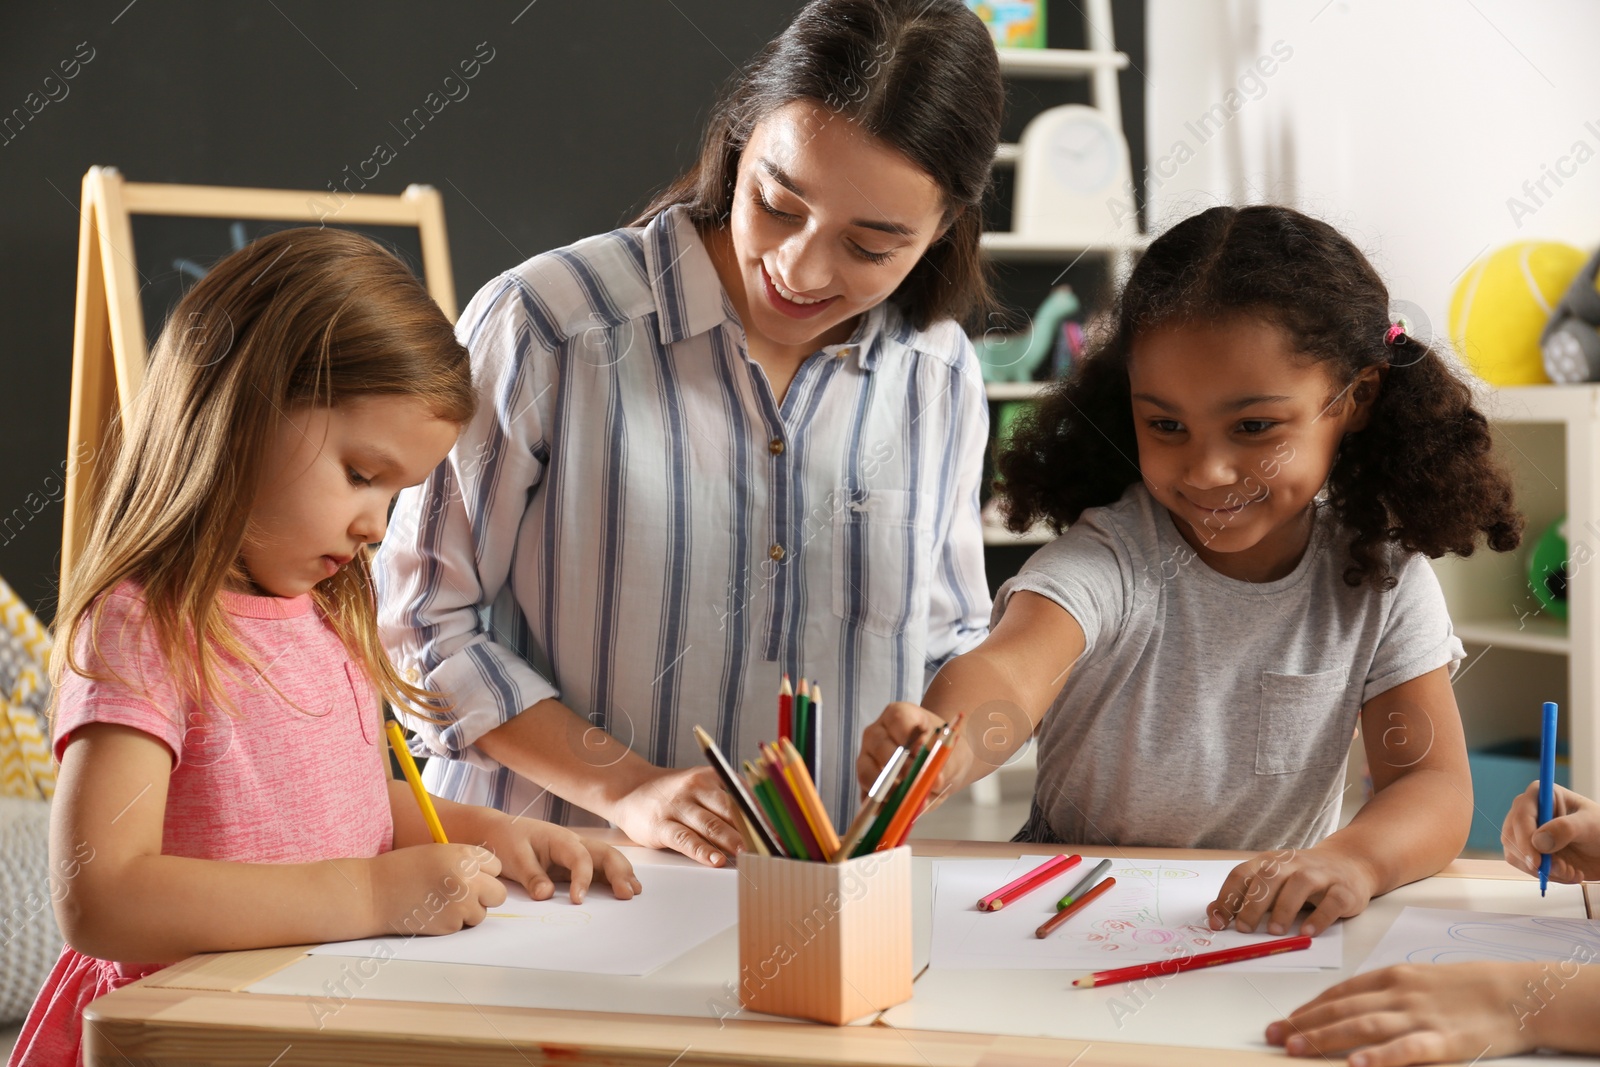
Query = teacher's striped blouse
x=634 y=524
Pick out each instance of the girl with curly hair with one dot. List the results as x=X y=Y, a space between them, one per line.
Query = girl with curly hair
x=1253 y=465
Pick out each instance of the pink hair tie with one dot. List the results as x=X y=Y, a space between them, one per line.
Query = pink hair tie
x=1395 y=334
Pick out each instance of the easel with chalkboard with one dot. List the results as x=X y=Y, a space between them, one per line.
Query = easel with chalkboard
x=195 y=225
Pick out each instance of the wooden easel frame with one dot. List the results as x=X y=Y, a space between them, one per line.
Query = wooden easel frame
x=108 y=342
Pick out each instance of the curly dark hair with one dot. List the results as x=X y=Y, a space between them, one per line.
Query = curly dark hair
x=1422 y=475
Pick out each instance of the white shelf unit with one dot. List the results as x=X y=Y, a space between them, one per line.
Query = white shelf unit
x=1100 y=63
x=1518 y=656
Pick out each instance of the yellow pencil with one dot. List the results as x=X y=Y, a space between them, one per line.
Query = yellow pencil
x=397 y=744
x=794 y=768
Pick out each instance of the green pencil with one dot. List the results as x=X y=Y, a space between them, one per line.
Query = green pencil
x=802 y=720
x=886 y=813
x=755 y=782
x=780 y=817
x=1084 y=884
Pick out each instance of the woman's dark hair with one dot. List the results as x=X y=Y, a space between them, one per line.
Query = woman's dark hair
x=920 y=75
x=1420 y=475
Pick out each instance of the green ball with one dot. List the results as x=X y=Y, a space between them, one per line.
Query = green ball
x=1547 y=570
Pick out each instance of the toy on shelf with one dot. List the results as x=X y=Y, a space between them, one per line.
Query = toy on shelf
x=1012 y=23
x=1571 y=339
x=1547 y=569
x=1500 y=307
x=1014 y=357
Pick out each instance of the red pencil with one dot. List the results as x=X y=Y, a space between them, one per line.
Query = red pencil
x=1072 y=909
x=1189 y=963
x=786 y=711
x=1045 y=872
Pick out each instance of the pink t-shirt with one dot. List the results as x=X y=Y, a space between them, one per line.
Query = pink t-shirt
x=295 y=773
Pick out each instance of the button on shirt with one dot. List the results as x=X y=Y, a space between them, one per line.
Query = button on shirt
x=634 y=524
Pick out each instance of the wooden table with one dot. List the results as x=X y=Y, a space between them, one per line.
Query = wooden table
x=195 y=1012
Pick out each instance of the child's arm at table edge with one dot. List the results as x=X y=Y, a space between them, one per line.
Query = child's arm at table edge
x=119 y=898
x=1006 y=685
x=1415 y=824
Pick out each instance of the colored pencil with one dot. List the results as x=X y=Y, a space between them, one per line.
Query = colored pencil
x=1084 y=883
x=869 y=807
x=783 y=828
x=1056 y=921
x=791 y=804
x=1189 y=963
x=814 y=741
x=408 y=767
x=733 y=783
x=902 y=786
x=911 y=808
x=752 y=843
x=1047 y=871
x=802 y=716
x=785 y=709
x=1547 y=783
x=777 y=766
x=806 y=791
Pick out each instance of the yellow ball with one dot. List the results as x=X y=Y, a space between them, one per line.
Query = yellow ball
x=1501 y=304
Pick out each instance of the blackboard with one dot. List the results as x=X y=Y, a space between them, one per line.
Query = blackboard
x=173 y=252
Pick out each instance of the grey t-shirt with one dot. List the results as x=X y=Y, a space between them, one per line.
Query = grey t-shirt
x=1208 y=712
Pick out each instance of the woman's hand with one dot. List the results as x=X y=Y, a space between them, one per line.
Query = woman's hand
x=1571 y=839
x=1418 y=1013
x=687 y=811
x=538 y=854
x=1274 y=886
x=434 y=889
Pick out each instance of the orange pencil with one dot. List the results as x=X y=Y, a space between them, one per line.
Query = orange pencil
x=806 y=792
x=900 y=826
x=1072 y=909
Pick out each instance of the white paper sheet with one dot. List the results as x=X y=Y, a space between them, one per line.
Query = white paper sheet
x=1155 y=911
x=1436 y=935
x=681 y=907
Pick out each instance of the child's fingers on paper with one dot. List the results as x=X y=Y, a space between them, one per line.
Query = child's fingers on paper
x=537 y=879
x=1260 y=892
x=1337 y=903
x=1294 y=894
x=616 y=869
x=1231 y=897
x=573 y=853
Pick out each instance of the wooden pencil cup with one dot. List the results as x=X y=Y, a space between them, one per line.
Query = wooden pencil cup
x=825 y=941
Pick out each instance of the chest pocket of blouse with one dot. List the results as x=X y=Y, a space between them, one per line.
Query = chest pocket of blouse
x=1303 y=722
x=366 y=713
x=881 y=564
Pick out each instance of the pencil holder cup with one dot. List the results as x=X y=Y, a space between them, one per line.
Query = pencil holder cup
x=825 y=941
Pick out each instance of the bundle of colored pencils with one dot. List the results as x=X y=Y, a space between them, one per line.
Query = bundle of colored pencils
x=800 y=722
x=782 y=814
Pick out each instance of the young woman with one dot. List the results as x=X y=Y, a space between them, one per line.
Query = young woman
x=738 y=439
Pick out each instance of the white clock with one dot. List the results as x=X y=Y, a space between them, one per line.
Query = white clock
x=1073 y=175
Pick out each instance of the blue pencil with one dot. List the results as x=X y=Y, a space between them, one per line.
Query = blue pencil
x=1547 y=784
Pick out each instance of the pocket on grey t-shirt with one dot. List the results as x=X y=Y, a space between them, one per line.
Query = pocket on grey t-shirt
x=1302 y=725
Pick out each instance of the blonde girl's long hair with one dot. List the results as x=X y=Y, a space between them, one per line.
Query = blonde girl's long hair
x=300 y=317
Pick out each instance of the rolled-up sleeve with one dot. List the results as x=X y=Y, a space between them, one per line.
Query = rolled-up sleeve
x=958 y=610
x=448 y=551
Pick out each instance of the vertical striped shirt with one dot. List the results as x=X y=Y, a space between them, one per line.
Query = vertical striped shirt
x=635 y=524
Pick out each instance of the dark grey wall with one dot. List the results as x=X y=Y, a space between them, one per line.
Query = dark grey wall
x=585 y=108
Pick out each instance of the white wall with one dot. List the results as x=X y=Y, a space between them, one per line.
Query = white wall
x=1409 y=124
